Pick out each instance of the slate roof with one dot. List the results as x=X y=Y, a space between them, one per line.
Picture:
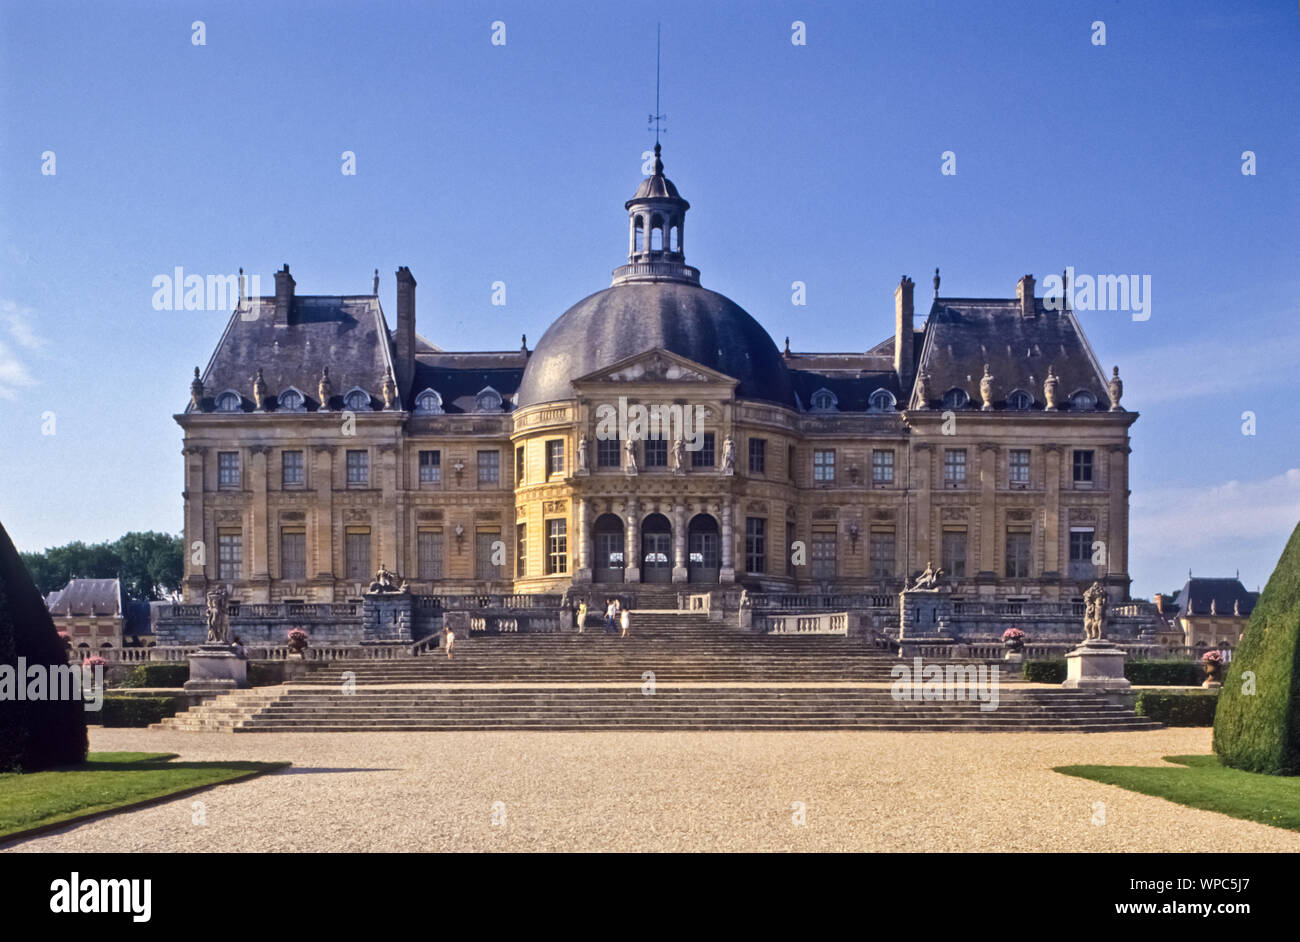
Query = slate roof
x=1222 y=592
x=88 y=597
x=628 y=319
x=348 y=334
x=962 y=334
x=459 y=377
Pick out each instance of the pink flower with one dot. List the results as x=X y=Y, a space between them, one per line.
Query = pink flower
x=1212 y=657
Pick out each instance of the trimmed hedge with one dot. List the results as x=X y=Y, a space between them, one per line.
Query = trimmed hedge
x=1044 y=672
x=158 y=675
x=1177 y=709
x=1165 y=673
x=133 y=711
x=1257 y=728
x=265 y=673
x=1143 y=673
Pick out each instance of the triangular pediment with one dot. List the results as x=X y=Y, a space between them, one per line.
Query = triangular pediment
x=656 y=366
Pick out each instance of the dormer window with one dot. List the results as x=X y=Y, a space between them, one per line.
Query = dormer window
x=357 y=400
x=429 y=403
x=1083 y=401
x=291 y=401
x=229 y=401
x=882 y=400
x=823 y=400
x=1020 y=400
x=956 y=398
x=487 y=400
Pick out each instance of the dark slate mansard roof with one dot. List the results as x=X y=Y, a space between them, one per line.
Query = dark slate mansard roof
x=1223 y=593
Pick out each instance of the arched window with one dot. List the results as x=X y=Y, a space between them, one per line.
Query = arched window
x=357 y=400
x=640 y=233
x=291 y=401
x=487 y=400
x=956 y=398
x=1020 y=400
x=229 y=401
x=1083 y=401
x=656 y=233
x=882 y=400
x=675 y=237
x=429 y=402
x=823 y=400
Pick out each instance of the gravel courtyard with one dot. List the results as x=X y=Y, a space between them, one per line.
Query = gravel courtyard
x=667 y=792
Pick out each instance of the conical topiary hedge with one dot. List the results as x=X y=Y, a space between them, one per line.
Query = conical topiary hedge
x=34 y=734
x=1257 y=722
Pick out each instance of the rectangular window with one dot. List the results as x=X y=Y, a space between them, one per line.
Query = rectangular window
x=228 y=469
x=428 y=551
x=954 y=467
x=230 y=555
x=882 y=554
x=703 y=458
x=489 y=468
x=1083 y=469
x=824 y=466
x=823 y=555
x=954 y=553
x=356 y=555
x=1017 y=553
x=519 y=465
x=555 y=457
x=791 y=461
x=486 y=567
x=521 y=549
x=358 y=467
x=557 y=547
x=1019 y=467
x=656 y=452
x=291 y=472
x=1081 y=540
x=757 y=455
x=755 y=544
x=431 y=467
x=882 y=467
x=293 y=553
x=608 y=452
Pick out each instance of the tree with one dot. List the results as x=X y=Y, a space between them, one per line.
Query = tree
x=149 y=564
x=1257 y=720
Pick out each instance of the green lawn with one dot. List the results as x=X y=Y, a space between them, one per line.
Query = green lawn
x=108 y=781
x=1201 y=782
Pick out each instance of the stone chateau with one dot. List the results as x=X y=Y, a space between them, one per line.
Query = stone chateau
x=984 y=437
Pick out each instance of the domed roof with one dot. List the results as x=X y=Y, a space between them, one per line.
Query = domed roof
x=655 y=187
x=632 y=318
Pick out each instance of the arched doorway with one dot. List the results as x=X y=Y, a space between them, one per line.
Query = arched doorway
x=656 y=549
x=702 y=545
x=607 y=536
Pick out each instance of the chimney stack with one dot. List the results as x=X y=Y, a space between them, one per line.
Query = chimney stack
x=284 y=285
x=1025 y=295
x=404 y=360
x=903 y=331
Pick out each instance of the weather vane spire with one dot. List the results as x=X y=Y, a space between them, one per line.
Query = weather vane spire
x=657 y=117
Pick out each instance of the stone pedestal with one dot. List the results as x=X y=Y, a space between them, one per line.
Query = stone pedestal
x=1096 y=665
x=215 y=669
x=386 y=616
x=295 y=667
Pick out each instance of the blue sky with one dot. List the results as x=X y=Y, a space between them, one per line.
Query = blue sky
x=819 y=163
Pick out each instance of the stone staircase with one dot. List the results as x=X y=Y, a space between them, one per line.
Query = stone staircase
x=706 y=677
x=408 y=709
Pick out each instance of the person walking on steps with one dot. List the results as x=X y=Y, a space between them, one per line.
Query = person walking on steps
x=451 y=641
x=582 y=615
x=627 y=621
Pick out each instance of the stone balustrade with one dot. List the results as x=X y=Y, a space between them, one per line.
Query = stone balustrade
x=820 y=623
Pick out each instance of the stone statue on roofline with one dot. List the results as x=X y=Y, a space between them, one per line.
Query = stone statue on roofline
x=196 y=392
x=259 y=391
x=986 y=389
x=1115 y=389
x=1050 y=386
x=922 y=393
x=325 y=390
x=389 y=389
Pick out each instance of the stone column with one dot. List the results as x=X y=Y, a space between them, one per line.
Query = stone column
x=728 y=571
x=632 y=545
x=323 y=521
x=988 y=453
x=679 y=542
x=1117 y=518
x=1052 y=517
x=583 y=518
x=260 y=539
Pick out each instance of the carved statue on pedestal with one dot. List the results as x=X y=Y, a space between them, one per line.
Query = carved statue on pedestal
x=259 y=391
x=986 y=389
x=1094 y=615
x=679 y=456
x=629 y=456
x=216 y=616
x=389 y=389
x=196 y=392
x=928 y=579
x=728 y=456
x=582 y=454
x=325 y=390
x=1049 y=389
x=1115 y=389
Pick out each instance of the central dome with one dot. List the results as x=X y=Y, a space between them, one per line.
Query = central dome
x=655 y=301
x=635 y=317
